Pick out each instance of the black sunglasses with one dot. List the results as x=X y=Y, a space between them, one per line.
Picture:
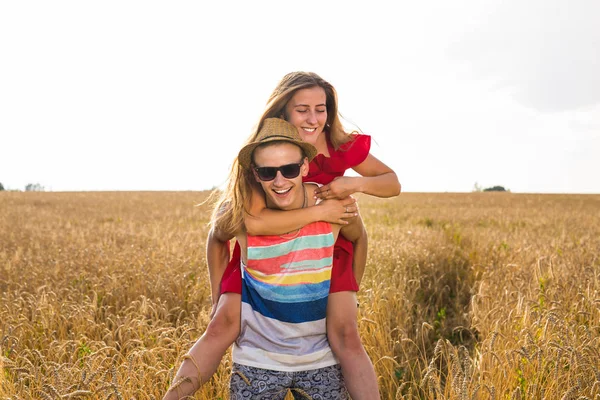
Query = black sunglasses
x=289 y=171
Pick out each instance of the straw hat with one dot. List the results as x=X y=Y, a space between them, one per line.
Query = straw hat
x=273 y=130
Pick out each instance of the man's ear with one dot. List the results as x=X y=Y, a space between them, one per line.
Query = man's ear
x=255 y=174
x=305 y=167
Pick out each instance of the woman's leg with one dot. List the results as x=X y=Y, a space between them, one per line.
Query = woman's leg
x=342 y=333
x=204 y=357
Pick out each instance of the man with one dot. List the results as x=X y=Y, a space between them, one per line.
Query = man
x=282 y=343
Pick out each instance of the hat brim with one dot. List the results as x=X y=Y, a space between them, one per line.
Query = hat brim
x=245 y=154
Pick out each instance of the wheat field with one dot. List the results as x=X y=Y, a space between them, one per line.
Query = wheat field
x=466 y=296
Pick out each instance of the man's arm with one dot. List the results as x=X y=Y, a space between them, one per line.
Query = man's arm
x=217 y=258
x=356 y=233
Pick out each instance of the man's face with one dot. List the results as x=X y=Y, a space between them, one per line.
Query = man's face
x=281 y=192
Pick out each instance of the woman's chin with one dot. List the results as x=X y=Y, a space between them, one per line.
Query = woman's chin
x=310 y=137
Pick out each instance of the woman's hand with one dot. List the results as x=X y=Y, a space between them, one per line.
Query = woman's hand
x=338 y=211
x=340 y=188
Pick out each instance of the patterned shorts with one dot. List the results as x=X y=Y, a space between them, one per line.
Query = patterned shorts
x=263 y=384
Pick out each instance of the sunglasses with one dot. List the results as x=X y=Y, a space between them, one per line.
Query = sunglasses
x=289 y=171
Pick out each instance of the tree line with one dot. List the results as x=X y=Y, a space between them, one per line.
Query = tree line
x=30 y=187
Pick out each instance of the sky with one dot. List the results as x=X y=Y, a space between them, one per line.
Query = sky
x=149 y=95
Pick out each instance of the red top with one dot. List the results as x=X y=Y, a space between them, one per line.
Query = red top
x=324 y=169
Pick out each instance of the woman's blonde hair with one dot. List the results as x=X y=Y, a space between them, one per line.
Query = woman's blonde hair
x=228 y=212
x=229 y=208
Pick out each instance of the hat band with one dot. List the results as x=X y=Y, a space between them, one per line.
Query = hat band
x=278 y=136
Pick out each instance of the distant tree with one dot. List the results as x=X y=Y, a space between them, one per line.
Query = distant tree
x=34 y=187
x=495 y=189
x=477 y=187
x=1 y=187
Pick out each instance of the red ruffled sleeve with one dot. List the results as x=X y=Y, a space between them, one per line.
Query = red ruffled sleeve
x=355 y=151
x=324 y=169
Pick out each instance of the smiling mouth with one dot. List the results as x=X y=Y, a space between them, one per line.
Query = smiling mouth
x=309 y=130
x=282 y=191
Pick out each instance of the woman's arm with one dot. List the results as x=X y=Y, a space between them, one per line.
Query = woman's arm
x=264 y=221
x=377 y=179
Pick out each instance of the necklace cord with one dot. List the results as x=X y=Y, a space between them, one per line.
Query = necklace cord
x=291 y=235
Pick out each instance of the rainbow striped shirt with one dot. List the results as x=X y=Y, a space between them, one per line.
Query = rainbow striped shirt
x=285 y=286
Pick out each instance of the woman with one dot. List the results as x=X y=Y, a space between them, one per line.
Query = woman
x=310 y=104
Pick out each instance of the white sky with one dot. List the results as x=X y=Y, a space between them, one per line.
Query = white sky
x=148 y=95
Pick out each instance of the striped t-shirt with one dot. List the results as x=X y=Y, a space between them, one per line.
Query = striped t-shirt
x=285 y=285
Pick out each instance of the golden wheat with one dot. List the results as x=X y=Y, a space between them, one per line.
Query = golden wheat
x=466 y=296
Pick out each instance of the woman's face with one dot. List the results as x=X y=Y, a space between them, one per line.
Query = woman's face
x=307 y=111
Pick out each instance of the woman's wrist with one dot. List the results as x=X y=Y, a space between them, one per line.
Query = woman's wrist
x=358 y=184
x=317 y=214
